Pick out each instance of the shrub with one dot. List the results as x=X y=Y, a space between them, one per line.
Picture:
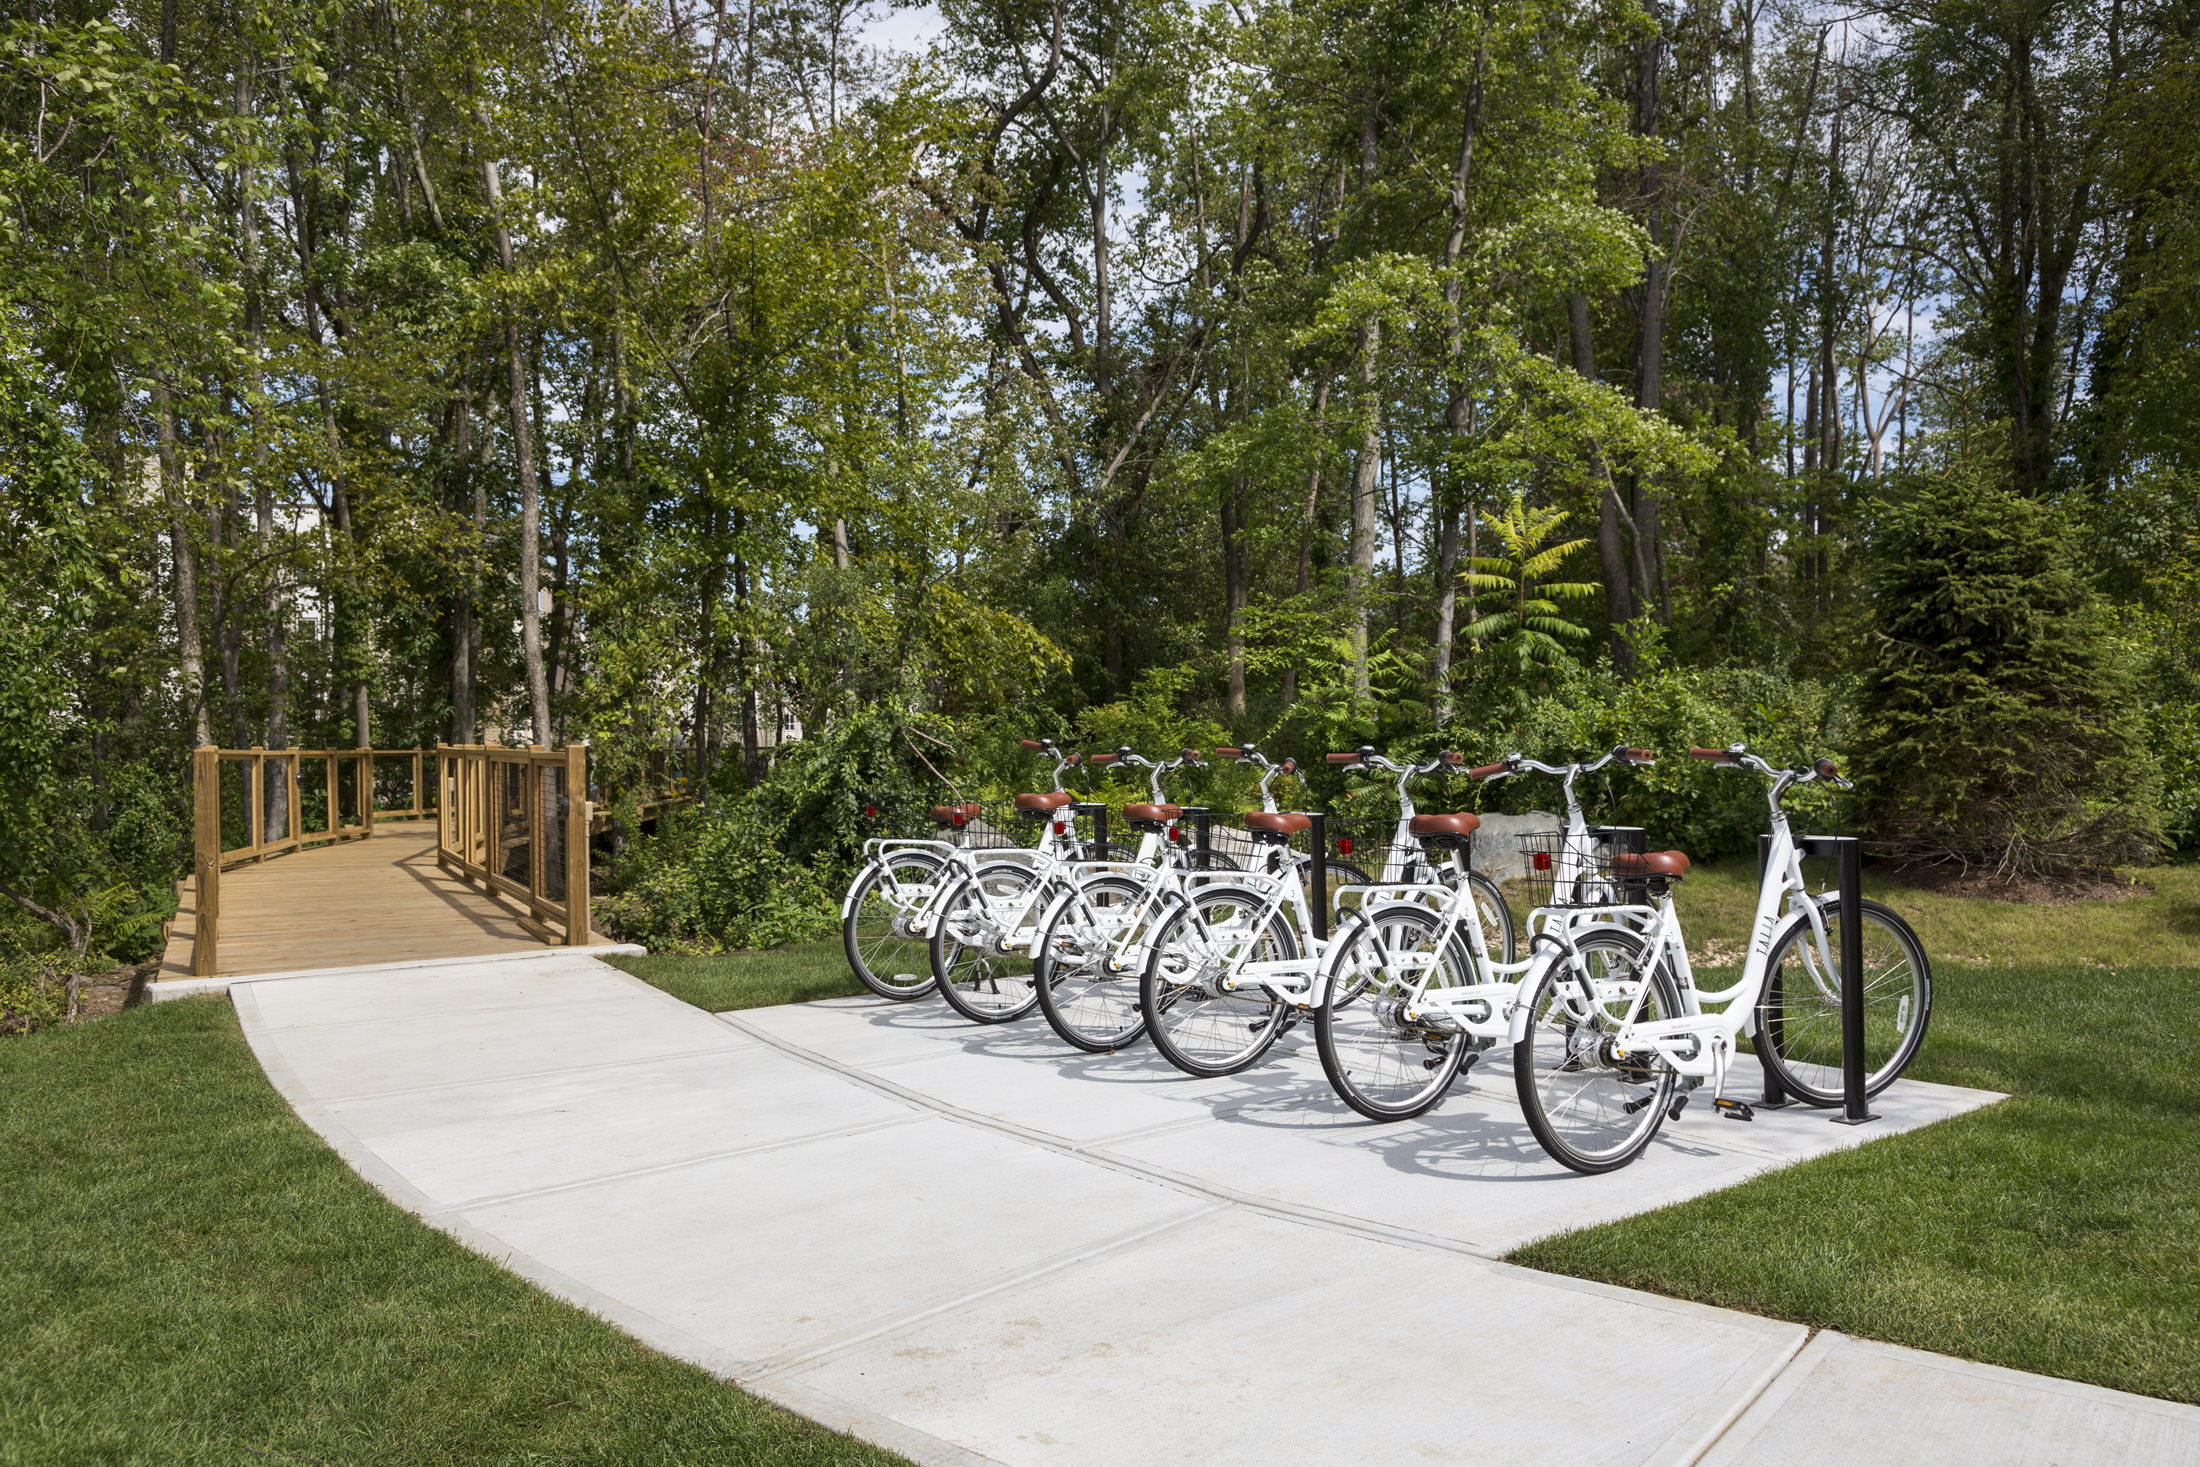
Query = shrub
x=716 y=879
x=1995 y=724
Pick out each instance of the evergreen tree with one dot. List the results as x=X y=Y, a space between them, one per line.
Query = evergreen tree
x=1997 y=729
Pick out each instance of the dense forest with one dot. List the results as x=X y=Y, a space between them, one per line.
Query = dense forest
x=1531 y=374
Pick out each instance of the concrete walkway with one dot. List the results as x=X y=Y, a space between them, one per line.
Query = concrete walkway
x=972 y=1245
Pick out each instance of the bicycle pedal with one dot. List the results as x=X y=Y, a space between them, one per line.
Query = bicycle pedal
x=1673 y=1111
x=1734 y=1110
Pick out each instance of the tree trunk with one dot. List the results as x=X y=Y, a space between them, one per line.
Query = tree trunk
x=1649 y=587
x=1366 y=484
x=1620 y=606
x=1236 y=592
x=1307 y=520
x=190 y=653
x=464 y=640
x=1458 y=414
x=523 y=458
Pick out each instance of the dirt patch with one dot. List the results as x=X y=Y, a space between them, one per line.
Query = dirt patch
x=2061 y=891
x=112 y=992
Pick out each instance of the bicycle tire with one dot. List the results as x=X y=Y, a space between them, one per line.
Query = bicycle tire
x=1201 y=1030
x=1381 y=1066
x=1497 y=918
x=885 y=957
x=1592 y=1109
x=1088 y=1007
x=980 y=982
x=1799 y=1010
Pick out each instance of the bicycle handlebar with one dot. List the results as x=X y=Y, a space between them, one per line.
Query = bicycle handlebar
x=1353 y=758
x=1489 y=771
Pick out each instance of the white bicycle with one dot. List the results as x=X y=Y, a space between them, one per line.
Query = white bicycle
x=1603 y=1060
x=892 y=905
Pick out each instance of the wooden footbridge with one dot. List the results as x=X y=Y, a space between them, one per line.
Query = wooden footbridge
x=305 y=859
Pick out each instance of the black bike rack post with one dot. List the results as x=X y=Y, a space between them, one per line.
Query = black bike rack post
x=1099 y=814
x=1847 y=852
x=1318 y=833
x=1202 y=822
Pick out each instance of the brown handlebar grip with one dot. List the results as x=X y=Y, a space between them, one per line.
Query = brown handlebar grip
x=1190 y=756
x=1352 y=758
x=1452 y=756
x=1714 y=756
x=1827 y=769
x=1223 y=753
x=1485 y=771
x=1072 y=758
x=1289 y=766
x=1643 y=756
x=1032 y=744
x=1102 y=758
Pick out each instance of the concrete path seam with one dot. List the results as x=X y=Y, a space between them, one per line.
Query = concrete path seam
x=644 y=1059
x=704 y=1158
x=1085 y=1151
x=536 y=1006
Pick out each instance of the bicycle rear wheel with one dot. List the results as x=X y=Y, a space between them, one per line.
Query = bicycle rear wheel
x=1591 y=1107
x=883 y=951
x=1497 y=918
x=981 y=981
x=1084 y=1002
x=1798 y=1019
x=1380 y=1064
x=1200 y=1027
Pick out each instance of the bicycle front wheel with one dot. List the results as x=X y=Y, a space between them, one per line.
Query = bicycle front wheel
x=1085 y=1001
x=1386 y=1066
x=1198 y=1025
x=1591 y=1106
x=1798 y=1020
x=878 y=933
x=981 y=979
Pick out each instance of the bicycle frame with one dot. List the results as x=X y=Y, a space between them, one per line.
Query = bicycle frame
x=1699 y=1044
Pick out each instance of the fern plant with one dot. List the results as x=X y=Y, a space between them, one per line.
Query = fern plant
x=1517 y=610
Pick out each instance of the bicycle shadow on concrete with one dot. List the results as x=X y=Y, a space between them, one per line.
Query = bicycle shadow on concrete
x=1476 y=1133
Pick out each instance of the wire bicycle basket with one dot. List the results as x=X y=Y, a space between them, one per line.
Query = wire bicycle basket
x=1576 y=870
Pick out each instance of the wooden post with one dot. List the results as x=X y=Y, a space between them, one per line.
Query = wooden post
x=297 y=821
x=256 y=802
x=420 y=806
x=206 y=857
x=576 y=845
x=538 y=764
x=366 y=789
x=335 y=804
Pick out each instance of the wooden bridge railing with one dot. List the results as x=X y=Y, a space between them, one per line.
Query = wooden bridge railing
x=517 y=822
x=276 y=787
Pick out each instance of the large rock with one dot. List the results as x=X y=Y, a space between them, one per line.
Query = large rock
x=1497 y=853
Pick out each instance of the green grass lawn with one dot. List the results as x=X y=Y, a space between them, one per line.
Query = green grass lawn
x=749 y=980
x=2058 y=1231
x=188 y=1275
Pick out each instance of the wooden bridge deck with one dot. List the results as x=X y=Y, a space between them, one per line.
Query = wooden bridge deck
x=379 y=900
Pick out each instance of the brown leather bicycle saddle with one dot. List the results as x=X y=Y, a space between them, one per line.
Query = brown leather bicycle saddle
x=1154 y=814
x=955 y=814
x=1656 y=863
x=1054 y=801
x=1280 y=822
x=1461 y=824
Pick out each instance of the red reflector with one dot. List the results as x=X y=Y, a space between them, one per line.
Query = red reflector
x=870 y=812
x=1060 y=828
x=1344 y=848
x=1542 y=860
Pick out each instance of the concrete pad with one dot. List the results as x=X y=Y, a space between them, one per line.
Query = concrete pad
x=376 y=1056
x=460 y=1144
x=1846 y=1401
x=1241 y=1341
x=417 y=991
x=971 y=1244
x=772 y=1254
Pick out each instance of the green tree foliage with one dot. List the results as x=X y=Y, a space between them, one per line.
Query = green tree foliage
x=1995 y=723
